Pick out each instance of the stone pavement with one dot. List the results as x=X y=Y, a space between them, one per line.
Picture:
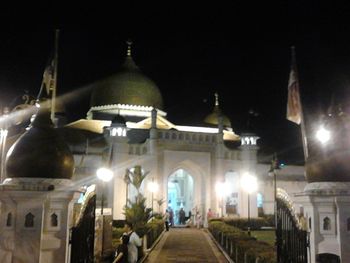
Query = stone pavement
x=185 y=245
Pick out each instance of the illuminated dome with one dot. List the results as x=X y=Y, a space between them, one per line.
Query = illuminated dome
x=128 y=86
x=40 y=152
x=213 y=118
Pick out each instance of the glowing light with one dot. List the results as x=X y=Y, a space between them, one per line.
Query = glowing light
x=153 y=187
x=104 y=174
x=323 y=135
x=120 y=132
x=222 y=189
x=249 y=183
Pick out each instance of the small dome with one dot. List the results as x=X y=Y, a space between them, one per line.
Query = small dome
x=40 y=152
x=128 y=86
x=213 y=118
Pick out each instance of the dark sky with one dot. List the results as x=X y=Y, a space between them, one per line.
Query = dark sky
x=242 y=51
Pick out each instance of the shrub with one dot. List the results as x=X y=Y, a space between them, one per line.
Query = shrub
x=243 y=243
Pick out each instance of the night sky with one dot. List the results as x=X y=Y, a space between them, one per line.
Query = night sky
x=242 y=51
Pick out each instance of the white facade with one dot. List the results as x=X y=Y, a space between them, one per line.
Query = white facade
x=327 y=212
x=200 y=152
x=35 y=221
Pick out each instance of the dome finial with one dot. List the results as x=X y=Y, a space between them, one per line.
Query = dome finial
x=129 y=43
x=216 y=99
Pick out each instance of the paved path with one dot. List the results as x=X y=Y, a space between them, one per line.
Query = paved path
x=185 y=245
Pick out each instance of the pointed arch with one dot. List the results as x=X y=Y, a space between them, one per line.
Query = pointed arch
x=29 y=220
x=9 y=219
x=54 y=220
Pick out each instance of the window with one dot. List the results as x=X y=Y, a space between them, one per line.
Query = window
x=9 y=219
x=348 y=224
x=326 y=223
x=29 y=220
x=54 y=221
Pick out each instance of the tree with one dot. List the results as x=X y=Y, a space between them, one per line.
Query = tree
x=136 y=212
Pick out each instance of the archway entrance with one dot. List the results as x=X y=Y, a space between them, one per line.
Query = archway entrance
x=329 y=258
x=180 y=194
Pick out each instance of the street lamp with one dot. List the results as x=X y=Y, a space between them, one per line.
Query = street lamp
x=153 y=188
x=105 y=175
x=249 y=184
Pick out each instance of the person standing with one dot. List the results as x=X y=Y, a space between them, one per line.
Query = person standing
x=171 y=217
x=166 y=220
x=210 y=215
x=122 y=251
x=182 y=216
x=134 y=242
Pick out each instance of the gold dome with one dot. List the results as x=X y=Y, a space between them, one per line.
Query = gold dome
x=213 y=118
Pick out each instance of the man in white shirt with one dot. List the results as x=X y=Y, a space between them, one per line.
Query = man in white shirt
x=134 y=242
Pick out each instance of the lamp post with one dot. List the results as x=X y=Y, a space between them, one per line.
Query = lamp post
x=272 y=172
x=249 y=184
x=105 y=175
x=153 y=188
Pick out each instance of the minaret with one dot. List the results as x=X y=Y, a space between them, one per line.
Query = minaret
x=37 y=197
x=326 y=197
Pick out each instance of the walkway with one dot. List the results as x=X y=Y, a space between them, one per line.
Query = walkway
x=185 y=245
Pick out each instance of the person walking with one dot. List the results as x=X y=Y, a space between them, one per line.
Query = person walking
x=166 y=220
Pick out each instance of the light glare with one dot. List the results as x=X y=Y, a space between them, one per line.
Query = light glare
x=323 y=135
x=104 y=174
x=153 y=187
x=249 y=183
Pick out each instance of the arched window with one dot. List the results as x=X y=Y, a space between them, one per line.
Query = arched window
x=326 y=223
x=54 y=220
x=29 y=220
x=348 y=224
x=9 y=219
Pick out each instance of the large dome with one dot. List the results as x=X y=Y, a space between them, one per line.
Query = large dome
x=128 y=86
x=40 y=153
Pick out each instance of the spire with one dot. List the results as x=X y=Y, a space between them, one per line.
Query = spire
x=129 y=63
x=216 y=99
x=129 y=43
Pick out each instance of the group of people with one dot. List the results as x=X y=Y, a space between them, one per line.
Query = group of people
x=127 y=251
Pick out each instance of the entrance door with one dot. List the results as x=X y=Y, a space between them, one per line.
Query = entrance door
x=328 y=258
x=180 y=195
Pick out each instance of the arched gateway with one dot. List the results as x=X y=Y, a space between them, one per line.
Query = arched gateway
x=180 y=193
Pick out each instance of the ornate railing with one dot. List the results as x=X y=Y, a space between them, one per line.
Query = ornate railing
x=292 y=237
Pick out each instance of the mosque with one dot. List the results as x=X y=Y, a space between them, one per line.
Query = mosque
x=196 y=167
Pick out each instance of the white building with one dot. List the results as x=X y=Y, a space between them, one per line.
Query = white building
x=126 y=117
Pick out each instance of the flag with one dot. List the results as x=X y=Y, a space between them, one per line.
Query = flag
x=48 y=77
x=294 y=111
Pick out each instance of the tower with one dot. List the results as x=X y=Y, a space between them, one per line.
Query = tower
x=37 y=197
x=326 y=197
